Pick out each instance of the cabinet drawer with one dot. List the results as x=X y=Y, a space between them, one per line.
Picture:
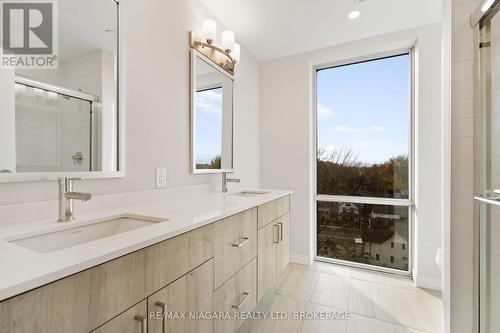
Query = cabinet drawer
x=169 y=260
x=235 y=244
x=191 y=294
x=282 y=206
x=62 y=306
x=267 y=213
x=238 y=294
x=134 y=320
x=270 y=211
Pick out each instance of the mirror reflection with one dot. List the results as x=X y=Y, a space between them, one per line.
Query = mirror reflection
x=212 y=117
x=66 y=119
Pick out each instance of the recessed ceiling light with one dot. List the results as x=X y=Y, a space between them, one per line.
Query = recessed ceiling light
x=354 y=14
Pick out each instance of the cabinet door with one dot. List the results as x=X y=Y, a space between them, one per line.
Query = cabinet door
x=238 y=294
x=268 y=239
x=134 y=320
x=283 y=248
x=170 y=308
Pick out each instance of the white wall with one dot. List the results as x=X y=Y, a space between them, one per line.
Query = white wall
x=157 y=131
x=287 y=137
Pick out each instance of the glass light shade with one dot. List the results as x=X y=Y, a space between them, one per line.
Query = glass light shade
x=228 y=40
x=236 y=52
x=209 y=30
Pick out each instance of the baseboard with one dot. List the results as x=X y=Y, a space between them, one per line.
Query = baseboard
x=300 y=259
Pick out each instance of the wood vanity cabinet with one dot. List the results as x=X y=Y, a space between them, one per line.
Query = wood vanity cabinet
x=87 y=300
x=224 y=266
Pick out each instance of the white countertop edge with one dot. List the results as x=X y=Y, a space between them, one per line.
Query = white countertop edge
x=52 y=275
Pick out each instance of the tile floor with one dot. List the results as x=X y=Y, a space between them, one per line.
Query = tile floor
x=377 y=303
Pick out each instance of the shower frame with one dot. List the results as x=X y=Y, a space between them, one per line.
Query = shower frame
x=71 y=93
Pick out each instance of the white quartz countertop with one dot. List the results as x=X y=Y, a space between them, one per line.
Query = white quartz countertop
x=23 y=269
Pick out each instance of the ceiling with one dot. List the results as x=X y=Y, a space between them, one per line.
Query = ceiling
x=272 y=29
x=79 y=36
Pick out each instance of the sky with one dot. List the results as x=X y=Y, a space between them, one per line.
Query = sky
x=208 y=125
x=365 y=107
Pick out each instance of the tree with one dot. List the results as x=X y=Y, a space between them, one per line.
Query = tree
x=215 y=163
x=341 y=172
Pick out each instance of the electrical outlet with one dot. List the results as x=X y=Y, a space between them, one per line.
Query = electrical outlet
x=161 y=177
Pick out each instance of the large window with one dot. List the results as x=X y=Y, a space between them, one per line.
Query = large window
x=363 y=162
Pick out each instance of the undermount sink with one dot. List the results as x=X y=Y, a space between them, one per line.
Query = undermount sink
x=79 y=234
x=246 y=194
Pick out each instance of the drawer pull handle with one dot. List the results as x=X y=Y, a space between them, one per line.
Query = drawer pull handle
x=141 y=319
x=240 y=244
x=278 y=238
x=280 y=224
x=163 y=307
x=245 y=298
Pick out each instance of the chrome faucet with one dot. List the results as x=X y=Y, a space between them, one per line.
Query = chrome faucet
x=226 y=180
x=66 y=197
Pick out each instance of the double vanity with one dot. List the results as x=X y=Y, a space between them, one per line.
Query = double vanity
x=184 y=265
x=162 y=262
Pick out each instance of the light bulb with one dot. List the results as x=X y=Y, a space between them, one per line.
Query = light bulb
x=228 y=41
x=209 y=31
x=236 y=52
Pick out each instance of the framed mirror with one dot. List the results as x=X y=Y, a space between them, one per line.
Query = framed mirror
x=212 y=108
x=68 y=121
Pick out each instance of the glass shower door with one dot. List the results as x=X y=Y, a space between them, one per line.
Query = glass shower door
x=489 y=244
x=53 y=131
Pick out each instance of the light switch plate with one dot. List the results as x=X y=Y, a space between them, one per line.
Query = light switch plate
x=161 y=177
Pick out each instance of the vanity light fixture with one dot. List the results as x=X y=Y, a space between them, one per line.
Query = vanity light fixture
x=225 y=56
